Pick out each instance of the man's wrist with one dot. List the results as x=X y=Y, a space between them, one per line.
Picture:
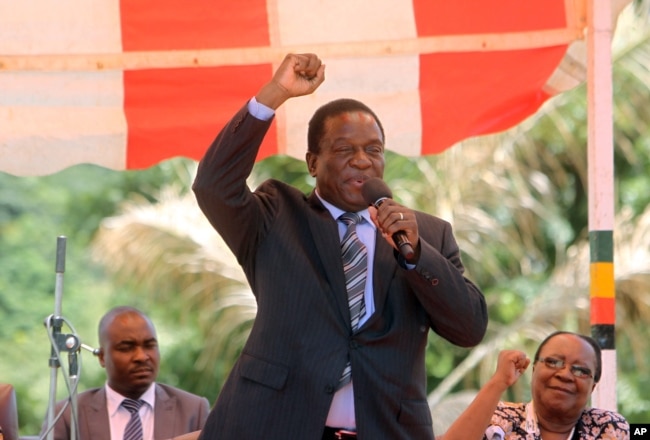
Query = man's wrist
x=272 y=95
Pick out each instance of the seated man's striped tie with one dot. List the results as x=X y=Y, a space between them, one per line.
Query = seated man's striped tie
x=355 y=266
x=133 y=429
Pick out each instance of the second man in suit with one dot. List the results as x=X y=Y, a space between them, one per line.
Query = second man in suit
x=129 y=353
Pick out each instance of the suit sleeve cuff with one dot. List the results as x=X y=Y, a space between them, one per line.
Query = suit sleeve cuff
x=260 y=111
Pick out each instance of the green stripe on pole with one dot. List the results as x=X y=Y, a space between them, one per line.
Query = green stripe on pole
x=601 y=246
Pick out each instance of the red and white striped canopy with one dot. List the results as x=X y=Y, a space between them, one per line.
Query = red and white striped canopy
x=126 y=84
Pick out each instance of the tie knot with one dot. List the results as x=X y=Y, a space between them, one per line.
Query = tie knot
x=132 y=405
x=350 y=218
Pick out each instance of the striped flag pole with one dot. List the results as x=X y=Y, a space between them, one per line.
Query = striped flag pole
x=601 y=196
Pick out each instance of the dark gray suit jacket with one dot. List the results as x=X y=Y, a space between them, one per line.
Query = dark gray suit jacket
x=282 y=385
x=176 y=412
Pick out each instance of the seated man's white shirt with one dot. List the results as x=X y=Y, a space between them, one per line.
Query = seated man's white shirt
x=118 y=416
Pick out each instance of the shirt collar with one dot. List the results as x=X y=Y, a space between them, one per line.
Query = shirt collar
x=114 y=399
x=336 y=212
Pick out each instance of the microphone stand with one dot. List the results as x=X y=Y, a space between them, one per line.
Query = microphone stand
x=62 y=343
x=56 y=322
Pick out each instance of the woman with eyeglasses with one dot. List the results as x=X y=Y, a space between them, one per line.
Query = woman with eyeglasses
x=566 y=368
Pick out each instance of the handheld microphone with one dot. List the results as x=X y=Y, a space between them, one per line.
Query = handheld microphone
x=375 y=192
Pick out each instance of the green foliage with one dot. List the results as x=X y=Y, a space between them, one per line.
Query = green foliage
x=441 y=358
x=292 y=171
x=633 y=398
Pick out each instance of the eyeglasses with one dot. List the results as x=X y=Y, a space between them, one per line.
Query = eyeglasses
x=557 y=364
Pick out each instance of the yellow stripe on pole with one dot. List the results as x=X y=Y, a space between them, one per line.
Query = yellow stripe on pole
x=602 y=280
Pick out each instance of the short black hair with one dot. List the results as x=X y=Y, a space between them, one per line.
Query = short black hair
x=316 y=128
x=591 y=341
x=109 y=316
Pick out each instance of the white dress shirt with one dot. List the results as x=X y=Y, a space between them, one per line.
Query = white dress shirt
x=118 y=416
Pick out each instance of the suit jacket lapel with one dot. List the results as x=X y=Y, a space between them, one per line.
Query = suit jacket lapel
x=164 y=414
x=96 y=420
x=323 y=228
x=384 y=259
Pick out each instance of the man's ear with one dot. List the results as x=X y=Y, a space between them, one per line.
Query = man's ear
x=311 y=160
x=100 y=356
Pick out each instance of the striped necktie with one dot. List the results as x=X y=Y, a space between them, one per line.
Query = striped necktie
x=355 y=267
x=133 y=429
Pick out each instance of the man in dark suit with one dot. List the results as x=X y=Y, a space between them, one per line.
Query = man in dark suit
x=287 y=383
x=129 y=353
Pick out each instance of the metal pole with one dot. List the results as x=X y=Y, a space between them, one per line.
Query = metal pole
x=61 y=343
x=601 y=195
x=56 y=324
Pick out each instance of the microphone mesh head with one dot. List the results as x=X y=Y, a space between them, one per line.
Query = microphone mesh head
x=375 y=189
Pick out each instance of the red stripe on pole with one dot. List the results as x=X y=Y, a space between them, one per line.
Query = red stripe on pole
x=603 y=311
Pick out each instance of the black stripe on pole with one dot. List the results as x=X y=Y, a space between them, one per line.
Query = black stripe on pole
x=604 y=335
